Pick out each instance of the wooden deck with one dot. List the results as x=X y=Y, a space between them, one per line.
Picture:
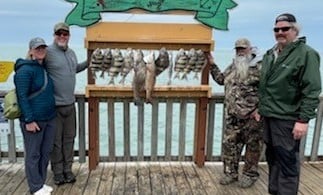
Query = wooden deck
x=153 y=178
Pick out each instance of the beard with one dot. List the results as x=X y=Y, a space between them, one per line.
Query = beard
x=242 y=65
x=61 y=44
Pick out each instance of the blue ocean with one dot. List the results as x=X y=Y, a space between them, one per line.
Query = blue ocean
x=222 y=58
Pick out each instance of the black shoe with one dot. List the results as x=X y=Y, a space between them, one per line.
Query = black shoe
x=69 y=177
x=59 y=179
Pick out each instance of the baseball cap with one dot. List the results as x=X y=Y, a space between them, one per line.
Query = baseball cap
x=243 y=42
x=61 y=26
x=36 y=42
x=285 y=17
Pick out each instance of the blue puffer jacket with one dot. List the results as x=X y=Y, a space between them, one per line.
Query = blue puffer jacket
x=29 y=78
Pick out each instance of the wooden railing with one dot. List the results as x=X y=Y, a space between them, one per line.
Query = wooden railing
x=163 y=131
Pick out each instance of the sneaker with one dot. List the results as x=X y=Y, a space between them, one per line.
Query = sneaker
x=48 y=188
x=42 y=191
x=59 y=179
x=246 y=181
x=69 y=177
x=227 y=179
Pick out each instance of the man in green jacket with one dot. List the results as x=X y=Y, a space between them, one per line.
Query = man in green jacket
x=290 y=85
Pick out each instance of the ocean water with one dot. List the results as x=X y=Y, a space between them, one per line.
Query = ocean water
x=222 y=58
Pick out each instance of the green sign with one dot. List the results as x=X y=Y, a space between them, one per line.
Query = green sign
x=210 y=12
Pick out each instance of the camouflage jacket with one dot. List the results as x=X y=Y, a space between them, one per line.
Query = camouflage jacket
x=241 y=97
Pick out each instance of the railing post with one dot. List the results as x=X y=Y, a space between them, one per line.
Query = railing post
x=81 y=121
x=12 y=143
x=93 y=132
x=317 y=132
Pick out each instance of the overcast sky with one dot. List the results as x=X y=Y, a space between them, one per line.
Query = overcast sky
x=21 y=20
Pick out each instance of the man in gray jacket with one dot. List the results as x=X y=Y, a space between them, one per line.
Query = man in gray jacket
x=62 y=66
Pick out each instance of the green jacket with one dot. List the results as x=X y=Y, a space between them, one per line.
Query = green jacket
x=290 y=85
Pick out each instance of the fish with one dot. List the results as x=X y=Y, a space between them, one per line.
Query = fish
x=150 y=79
x=162 y=61
x=181 y=60
x=96 y=62
x=117 y=64
x=200 y=64
x=138 y=80
x=107 y=61
x=170 y=69
x=127 y=66
x=191 y=63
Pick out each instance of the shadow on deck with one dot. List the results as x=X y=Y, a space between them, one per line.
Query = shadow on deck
x=153 y=178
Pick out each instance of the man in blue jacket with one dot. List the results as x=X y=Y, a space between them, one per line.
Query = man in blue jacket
x=290 y=84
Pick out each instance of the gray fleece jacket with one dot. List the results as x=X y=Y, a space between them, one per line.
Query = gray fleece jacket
x=62 y=67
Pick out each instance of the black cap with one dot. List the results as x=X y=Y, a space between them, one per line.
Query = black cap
x=285 y=17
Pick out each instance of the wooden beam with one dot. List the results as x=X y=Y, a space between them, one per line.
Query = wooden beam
x=167 y=91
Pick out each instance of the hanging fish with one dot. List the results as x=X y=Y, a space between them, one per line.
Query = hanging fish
x=127 y=66
x=96 y=62
x=170 y=68
x=150 y=76
x=107 y=61
x=191 y=63
x=180 y=62
x=117 y=64
x=138 y=82
x=200 y=64
x=162 y=61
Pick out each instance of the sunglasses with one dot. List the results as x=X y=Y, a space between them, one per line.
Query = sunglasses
x=65 y=34
x=283 y=29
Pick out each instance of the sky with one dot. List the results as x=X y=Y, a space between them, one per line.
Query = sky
x=254 y=19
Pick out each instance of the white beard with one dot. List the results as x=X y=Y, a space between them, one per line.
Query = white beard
x=242 y=65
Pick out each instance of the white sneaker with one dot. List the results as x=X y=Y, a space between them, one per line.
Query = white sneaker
x=47 y=188
x=42 y=191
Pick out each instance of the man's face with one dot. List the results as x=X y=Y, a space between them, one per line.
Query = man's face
x=284 y=33
x=62 y=37
x=242 y=51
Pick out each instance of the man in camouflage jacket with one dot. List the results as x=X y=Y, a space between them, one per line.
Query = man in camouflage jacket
x=241 y=79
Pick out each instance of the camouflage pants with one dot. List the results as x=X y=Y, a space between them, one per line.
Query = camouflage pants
x=240 y=133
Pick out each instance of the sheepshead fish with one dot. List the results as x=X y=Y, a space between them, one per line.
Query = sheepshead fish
x=200 y=64
x=117 y=64
x=150 y=76
x=162 y=61
x=107 y=61
x=180 y=62
x=127 y=66
x=138 y=82
x=170 y=69
x=191 y=63
x=96 y=61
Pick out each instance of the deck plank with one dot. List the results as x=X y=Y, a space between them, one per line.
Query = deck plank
x=193 y=178
x=156 y=179
x=131 y=186
x=119 y=178
x=144 y=186
x=94 y=180
x=15 y=181
x=153 y=178
x=181 y=182
x=105 y=186
x=168 y=177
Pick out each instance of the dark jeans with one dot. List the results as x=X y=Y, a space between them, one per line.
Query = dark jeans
x=63 y=151
x=37 y=151
x=282 y=155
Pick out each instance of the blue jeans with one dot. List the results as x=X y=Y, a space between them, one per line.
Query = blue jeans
x=37 y=149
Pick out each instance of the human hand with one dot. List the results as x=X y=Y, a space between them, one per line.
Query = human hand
x=255 y=115
x=299 y=130
x=33 y=127
x=211 y=59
